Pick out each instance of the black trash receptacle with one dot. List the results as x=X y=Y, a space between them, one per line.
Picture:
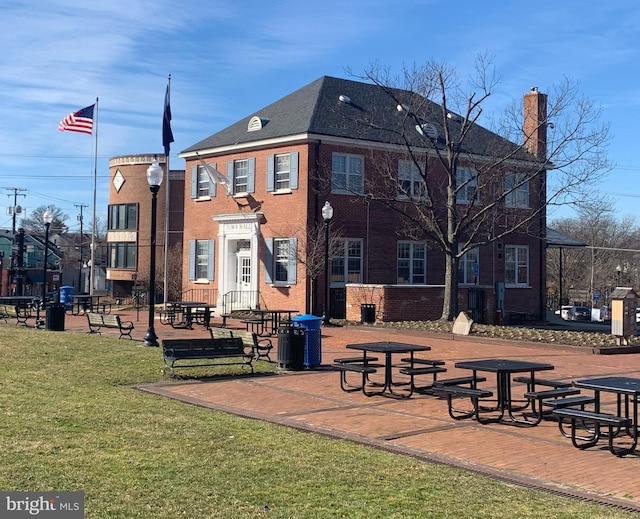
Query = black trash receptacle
x=54 y=319
x=367 y=313
x=291 y=342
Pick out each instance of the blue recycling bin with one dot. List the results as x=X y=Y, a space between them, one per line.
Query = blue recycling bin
x=313 y=338
x=66 y=296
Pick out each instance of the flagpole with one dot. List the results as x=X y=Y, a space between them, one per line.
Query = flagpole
x=95 y=190
x=166 y=216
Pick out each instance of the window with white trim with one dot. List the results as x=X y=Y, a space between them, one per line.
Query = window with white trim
x=282 y=171
x=241 y=173
x=201 y=259
x=347 y=173
x=517 y=196
x=203 y=182
x=412 y=263
x=346 y=261
x=201 y=185
x=410 y=182
x=281 y=261
x=467 y=185
x=240 y=176
x=516 y=265
x=468 y=267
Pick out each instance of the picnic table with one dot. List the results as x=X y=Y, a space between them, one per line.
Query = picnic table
x=268 y=321
x=388 y=349
x=623 y=422
x=20 y=301
x=83 y=303
x=504 y=402
x=183 y=314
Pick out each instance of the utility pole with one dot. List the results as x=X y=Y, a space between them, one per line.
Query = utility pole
x=14 y=210
x=81 y=206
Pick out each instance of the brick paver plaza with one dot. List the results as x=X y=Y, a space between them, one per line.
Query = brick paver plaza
x=420 y=426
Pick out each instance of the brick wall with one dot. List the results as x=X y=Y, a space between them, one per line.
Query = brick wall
x=424 y=303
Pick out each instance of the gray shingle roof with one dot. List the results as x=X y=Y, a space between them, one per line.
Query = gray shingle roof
x=556 y=239
x=371 y=114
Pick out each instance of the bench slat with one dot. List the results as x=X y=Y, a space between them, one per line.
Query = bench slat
x=358 y=368
x=417 y=360
x=559 y=403
x=458 y=381
x=354 y=360
x=462 y=391
x=589 y=416
x=423 y=371
x=542 y=382
x=551 y=393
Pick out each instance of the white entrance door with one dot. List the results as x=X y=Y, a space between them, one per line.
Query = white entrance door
x=244 y=274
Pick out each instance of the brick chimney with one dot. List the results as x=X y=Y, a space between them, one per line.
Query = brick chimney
x=535 y=123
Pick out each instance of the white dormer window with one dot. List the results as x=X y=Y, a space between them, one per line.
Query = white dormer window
x=256 y=123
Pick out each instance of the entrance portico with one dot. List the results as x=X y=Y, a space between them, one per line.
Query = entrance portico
x=238 y=260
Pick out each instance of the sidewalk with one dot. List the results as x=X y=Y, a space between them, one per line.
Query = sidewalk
x=537 y=457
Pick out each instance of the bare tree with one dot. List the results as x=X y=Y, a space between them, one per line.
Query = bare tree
x=174 y=274
x=34 y=223
x=311 y=250
x=558 y=157
x=611 y=257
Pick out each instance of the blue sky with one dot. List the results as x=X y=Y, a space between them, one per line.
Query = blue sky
x=228 y=58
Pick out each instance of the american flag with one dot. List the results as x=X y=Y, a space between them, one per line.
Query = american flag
x=80 y=121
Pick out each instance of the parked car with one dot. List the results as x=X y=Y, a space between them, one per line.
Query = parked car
x=564 y=312
x=605 y=313
x=579 y=313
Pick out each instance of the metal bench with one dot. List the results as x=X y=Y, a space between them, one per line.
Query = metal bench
x=364 y=370
x=424 y=370
x=613 y=423
x=99 y=321
x=260 y=346
x=451 y=392
x=537 y=399
x=20 y=313
x=578 y=401
x=231 y=349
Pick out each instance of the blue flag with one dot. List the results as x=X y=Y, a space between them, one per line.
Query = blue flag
x=167 y=134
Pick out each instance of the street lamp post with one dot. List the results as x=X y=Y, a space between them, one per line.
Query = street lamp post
x=327 y=215
x=48 y=218
x=618 y=272
x=154 y=177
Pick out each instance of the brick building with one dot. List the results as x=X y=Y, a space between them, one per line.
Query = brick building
x=258 y=240
x=129 y=220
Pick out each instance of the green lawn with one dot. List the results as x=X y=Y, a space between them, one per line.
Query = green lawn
x=70 y=421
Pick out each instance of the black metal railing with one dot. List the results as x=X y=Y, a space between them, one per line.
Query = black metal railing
x=204 y=295
x=240 y=300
